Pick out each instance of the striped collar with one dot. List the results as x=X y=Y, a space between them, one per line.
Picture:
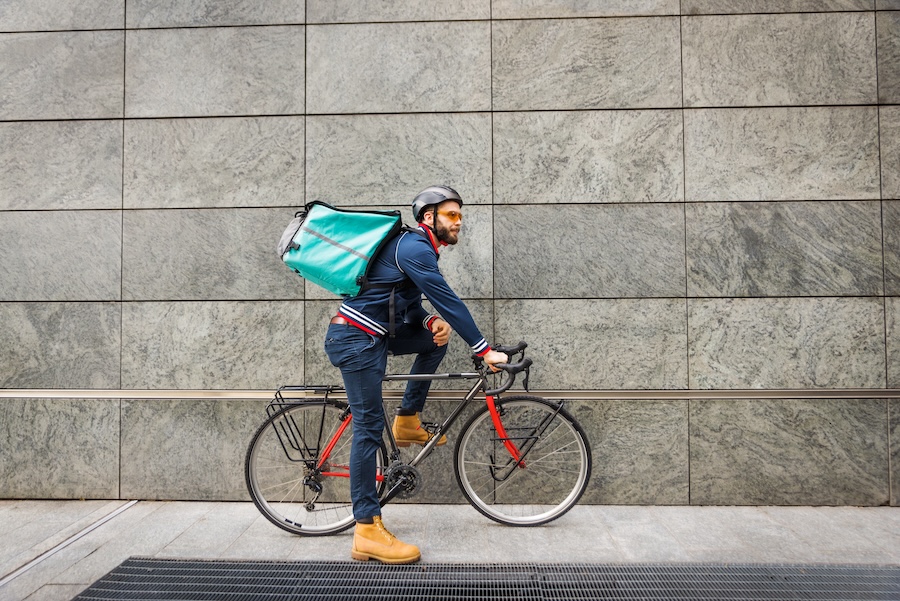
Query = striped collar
x=435 y=243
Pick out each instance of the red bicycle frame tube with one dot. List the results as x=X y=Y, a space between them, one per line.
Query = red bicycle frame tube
x=327 y=452
x=501 y=432
x=346 y=474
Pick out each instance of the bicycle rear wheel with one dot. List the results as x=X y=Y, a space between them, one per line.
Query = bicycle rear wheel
x=286 y=478
x=553 y=473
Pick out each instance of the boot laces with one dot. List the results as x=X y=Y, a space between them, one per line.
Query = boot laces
x=381 y=527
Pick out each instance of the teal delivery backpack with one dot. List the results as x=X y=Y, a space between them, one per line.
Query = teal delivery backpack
x=333 y=247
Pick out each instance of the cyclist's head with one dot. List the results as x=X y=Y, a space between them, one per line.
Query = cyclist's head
x=432 y=197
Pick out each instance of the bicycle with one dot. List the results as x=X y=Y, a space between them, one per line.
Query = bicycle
x=520 y=460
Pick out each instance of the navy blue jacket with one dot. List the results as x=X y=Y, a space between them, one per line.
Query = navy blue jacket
x=410 y=257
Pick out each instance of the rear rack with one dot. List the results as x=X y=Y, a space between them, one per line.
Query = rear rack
x=311 y=393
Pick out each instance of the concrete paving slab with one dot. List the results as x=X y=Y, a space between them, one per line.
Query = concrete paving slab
x=30 y=529
x=449 y=534
x=262 y=540
x=214 y=532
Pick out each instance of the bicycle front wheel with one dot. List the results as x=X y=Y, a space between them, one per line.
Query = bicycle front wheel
x=298 y=468
x=550 y=475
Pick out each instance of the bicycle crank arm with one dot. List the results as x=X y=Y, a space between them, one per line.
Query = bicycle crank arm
x=397 y=490
x=389 y=495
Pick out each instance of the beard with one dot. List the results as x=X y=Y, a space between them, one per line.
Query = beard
x=446 y=235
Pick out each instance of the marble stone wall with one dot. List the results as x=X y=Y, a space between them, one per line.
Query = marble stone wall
x=660 y=194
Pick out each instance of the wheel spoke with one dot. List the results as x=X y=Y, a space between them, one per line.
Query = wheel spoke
x=555 y=466
x=282 y=473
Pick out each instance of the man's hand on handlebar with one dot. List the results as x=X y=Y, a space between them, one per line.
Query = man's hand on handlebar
x=497 y=359
x=493 y=357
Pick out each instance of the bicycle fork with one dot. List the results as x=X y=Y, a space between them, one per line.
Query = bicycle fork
x=518 y=454
x=501 y=432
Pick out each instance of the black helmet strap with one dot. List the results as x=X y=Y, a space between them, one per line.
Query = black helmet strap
x=433 y=226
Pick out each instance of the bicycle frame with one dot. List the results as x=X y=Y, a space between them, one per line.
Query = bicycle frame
x=520 y=460
x=517 y=455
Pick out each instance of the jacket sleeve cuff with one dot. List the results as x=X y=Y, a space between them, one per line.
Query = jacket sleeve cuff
x=482 y=348
x=429 y=321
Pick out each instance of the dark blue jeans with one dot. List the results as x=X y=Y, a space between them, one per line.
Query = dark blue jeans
x=362 y=359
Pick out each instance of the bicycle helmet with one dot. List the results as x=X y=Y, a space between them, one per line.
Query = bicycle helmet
x=431 y=197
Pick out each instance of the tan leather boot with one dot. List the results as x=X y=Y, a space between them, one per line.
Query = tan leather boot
x=408 y=430
x=374 y=541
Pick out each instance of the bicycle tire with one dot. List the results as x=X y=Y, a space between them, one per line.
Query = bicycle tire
x=557 y=462
x=281 y=469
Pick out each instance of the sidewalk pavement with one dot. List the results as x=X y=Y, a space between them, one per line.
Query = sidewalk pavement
x=53 y=550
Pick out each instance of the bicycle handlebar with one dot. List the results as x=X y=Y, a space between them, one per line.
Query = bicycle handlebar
x=515 y=368
x=512 y=350
x=511 y=368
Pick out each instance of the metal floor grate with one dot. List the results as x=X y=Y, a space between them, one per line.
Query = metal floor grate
x=196 y=580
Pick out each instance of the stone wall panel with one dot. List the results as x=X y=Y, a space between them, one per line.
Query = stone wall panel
x=784 y=249
x=57 y=165
x=888 y=24
x=589 y=157
x=589 y=251
x=59 y=449
x=779 y=60
x=556 y=9
x=61 y=255
x=257 y=71
x=823 y=153
x=889 y=137
x=211 y=345
x=717 y=7
x=387 y=159
x=786 y=343
x=61 y=75
x=640 y=451
x=205 y=13
x=198 y=163
x=37 y=15
x=398 y=67
x=191 y=449
x=892 y=313
x=354 y=11
x=580 y=344
x=797 y=452
x=586 y=64
x=891 y=222
x=60 y=345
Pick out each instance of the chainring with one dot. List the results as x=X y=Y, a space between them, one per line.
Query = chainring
x=406 y=476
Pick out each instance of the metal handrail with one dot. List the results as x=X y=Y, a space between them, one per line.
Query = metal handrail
x=556 y=394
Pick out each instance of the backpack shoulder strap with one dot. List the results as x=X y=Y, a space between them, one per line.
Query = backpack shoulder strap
x=407 y=230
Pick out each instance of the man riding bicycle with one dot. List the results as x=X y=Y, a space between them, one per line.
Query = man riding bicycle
x=388 y=316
